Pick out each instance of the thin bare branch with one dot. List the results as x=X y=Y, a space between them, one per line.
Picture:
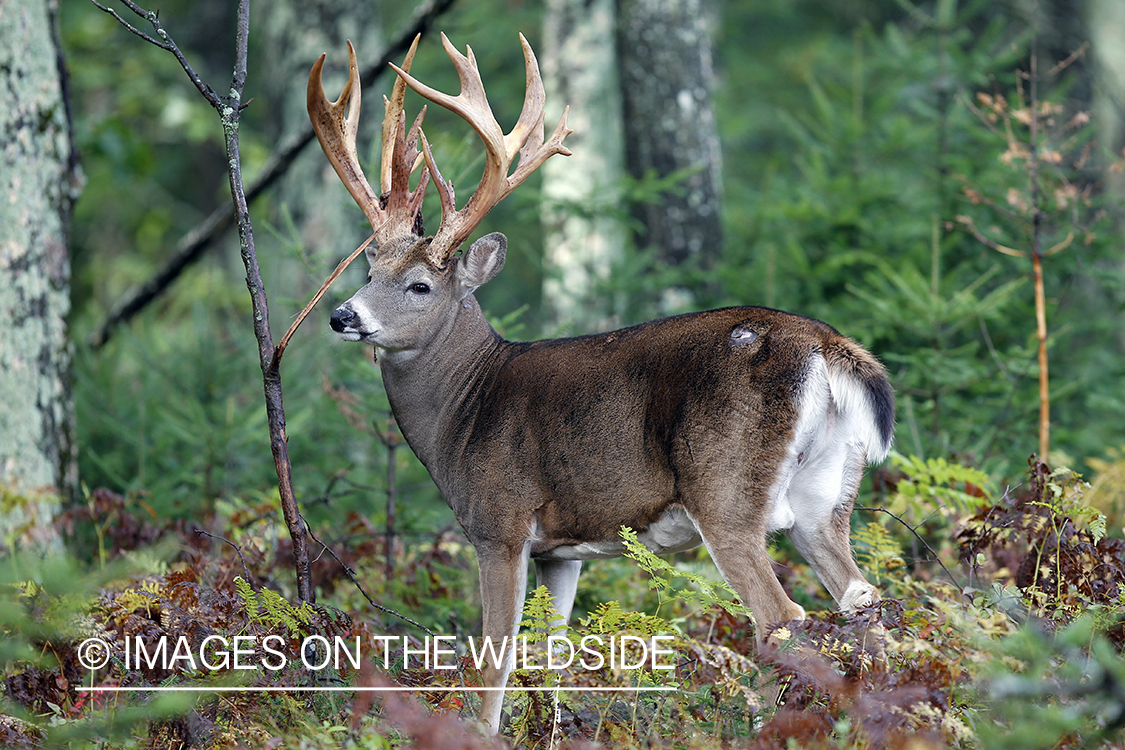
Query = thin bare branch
x=280 y=349
x=131 y=28
x=1059 y=247
x=351 y=577
x=968 y=223
x=1070 y=59
x=166 y=43
x=198 y=240
x=925 y=544
x=245 y=567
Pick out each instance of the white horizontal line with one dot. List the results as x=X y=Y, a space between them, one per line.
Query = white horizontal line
x=392 y=689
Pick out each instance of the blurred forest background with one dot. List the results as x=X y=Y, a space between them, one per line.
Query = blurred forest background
x=852 y=138
x=864 y=162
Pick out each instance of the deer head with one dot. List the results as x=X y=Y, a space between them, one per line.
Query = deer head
x=417 y=282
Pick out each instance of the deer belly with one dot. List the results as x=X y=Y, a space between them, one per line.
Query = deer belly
x=672 y=532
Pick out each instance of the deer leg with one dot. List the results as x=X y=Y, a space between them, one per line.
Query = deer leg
x=503 y=584
x=561 y=579
x=822 y=494
x=738 y=547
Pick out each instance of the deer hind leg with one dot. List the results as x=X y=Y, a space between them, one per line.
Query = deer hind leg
x=503 y=585
x=561 y=579
x=821 y=494
x=735 y=536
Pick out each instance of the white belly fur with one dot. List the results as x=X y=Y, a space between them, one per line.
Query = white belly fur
x=673 y=532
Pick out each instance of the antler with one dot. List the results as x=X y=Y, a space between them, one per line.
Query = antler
x=397 y=211
x=525 y=140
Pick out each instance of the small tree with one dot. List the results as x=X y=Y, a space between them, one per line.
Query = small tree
x=1054 y=203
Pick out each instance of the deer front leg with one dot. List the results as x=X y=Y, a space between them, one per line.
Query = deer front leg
x=503 y=584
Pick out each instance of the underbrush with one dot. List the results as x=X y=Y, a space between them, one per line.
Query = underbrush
x=1000 y=627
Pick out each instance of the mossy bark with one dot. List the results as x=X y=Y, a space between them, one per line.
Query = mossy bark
x=664 y=57
x=37 y=188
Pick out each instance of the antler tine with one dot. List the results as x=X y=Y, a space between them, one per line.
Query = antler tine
x=393 y=113
x=335 y=124
x=400 y=153
x=524 y=140
x=404 y=159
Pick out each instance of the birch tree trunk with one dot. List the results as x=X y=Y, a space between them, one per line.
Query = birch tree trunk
x=1106 y=21
x=37 y=188
x=583 y=233
x=664 y=54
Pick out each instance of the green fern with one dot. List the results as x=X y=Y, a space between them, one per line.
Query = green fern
x=269 y=609
x=610 y=618
x=540 y=617
x=663 y=574
x=935 y=482
x=876 y=549
x=1065 y=495
x=248 y=596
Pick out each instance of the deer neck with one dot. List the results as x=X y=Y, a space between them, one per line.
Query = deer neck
x=434 y=387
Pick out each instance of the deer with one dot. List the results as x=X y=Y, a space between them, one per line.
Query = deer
x=717 y=428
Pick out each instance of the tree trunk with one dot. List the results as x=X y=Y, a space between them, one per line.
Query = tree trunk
x=38 y=184
x=583 y=234
x=1106 y=21
x=664 y=54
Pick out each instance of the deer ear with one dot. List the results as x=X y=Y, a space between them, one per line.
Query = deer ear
x=481 y=262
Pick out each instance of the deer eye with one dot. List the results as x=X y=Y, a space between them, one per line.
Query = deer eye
x=420 y=288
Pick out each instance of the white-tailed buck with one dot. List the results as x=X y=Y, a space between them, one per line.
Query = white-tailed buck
x=713 y=428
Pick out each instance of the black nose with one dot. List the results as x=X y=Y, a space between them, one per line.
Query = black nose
x=342 y=317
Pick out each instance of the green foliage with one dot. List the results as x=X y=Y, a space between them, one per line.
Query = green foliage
x=609 y=618
x=865 y=163
x=877 y=549
x=663 y=577
x=1062 y=686
x=937 y=483
x=1032 y=646
x=540 y=617
x=1053 y=547
x=270 y=610
x=46 y=609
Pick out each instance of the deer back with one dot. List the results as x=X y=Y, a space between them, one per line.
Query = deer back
x=625 y=421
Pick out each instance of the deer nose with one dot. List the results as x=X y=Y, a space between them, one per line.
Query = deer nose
x=342 y=317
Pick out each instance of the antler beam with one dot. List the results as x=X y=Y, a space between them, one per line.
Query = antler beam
x=397 y=211
x=525 y=141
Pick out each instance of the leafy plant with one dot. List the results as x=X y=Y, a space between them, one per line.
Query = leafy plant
x=663 y=577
